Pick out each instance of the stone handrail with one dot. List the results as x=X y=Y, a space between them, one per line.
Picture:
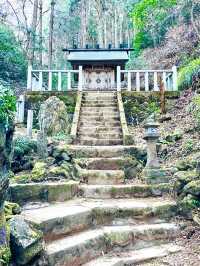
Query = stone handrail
x=76 y=116
x=127 y=137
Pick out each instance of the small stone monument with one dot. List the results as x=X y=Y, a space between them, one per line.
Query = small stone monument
x=153 y=173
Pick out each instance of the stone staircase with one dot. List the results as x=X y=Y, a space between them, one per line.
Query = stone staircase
x=99 y=120
x=109 y=223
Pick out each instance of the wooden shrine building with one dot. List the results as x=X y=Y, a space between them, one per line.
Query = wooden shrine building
x=99 y=66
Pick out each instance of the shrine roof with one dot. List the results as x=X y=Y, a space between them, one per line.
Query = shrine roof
x=93 y=55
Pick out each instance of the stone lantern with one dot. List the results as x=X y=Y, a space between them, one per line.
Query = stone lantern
x=152 y=173
x=152 y=136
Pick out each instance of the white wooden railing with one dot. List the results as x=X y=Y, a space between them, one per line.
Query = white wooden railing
x=42 y=80
x=147 y=80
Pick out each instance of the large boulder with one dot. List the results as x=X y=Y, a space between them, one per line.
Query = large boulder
x=193 y=188
x=26 y=242
x=53 y=117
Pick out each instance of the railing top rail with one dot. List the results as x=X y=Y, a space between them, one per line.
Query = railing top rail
x=148 y=70
x=53 y=71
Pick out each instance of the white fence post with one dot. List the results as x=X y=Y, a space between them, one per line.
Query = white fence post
x=80 y=82
x=40 y=80
x=20 y=109
x=59 y=81
x=29 y=78
x=138 y=81
x=165 y=81
x=50 y=81
x=30 y=123
x=129 y=81
x=118 y=78
x=156 y=87
x=146 y=81
x=175 y=78
x=69 y=80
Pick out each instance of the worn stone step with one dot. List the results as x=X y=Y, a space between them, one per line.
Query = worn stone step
x=99 y=124
x=100 y=114
x=136 y=256
x=83 y=247
x=103 y=151
x=116 y=163
x=99 y=129
x=99 y=142
x=76 y=215
x=123 y=191
x=100 y=117
x=45 y=192
x=106 y=135
x=99 y=109
x=102 y=177
x=98 y=104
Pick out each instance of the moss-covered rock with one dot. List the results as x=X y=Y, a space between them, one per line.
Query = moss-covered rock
x=188 y=204
x=39 y=171
x=26 y=242
x=192 y=188
x=182 y=178
x=11 y=209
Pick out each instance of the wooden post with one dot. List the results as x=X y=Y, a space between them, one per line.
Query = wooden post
x=162 y=97
x=69 y=80
x=138 y=81
x=118 y=78
x=129 y=81
x=175 y=78
x=80 y=83
x=40 y=80
x=59 y=81
x=29 y=78
x=30 y=123
x=165 y=81
x=50 y=81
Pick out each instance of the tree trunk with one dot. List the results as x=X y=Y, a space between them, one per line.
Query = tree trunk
x=33 y=33
x=41 y=33
x=51 y=29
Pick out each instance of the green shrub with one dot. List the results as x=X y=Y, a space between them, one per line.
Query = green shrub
x=7 y=104
x=24 y=145
x=188 y=73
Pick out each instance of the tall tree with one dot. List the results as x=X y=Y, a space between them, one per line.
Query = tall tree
x=33 y=33
x=51 y=31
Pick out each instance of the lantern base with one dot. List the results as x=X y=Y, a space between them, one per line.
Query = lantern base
x=155 y=175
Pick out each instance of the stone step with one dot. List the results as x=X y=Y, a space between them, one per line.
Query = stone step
x=100 y=113
x=102 y=151
x=43 y=192
x=100 y=117
x=99 y=129
x=77 y=215
x=102 y=177
x=123 y=191
x=99 y=124
x=99 y=142
x=102 y=98
x=136 y=256
x=116 y=163
x=99 y=104
x=99 y=109
x=83 y=247
x=106 y=136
